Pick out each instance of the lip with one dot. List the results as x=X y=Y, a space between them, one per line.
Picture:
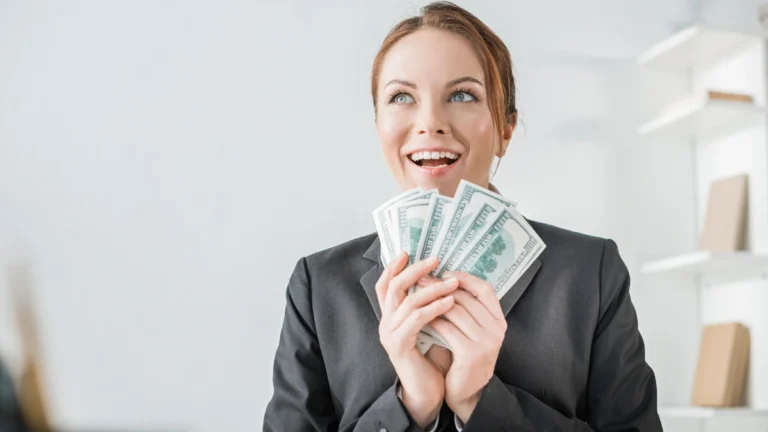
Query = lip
x=434 y=171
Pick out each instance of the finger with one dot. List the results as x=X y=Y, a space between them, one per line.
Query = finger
x=455 y=338
x=427 y=280
x=418 y=318
x=422 y=298
x=481 y=289
x=476 y=309
x=406 y=279
x=459 y=316
x=391 y=270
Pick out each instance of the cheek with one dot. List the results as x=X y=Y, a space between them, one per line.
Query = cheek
x=392 y=130
x=479 y=133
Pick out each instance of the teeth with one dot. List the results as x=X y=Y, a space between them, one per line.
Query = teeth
x=417 y=156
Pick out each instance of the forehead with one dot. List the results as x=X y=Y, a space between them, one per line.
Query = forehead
x=431 y=55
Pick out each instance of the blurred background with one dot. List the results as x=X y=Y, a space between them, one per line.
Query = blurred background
x=164 y=164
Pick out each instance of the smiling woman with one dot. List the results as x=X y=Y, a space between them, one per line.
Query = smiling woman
x=446 y=90
x=560 y=351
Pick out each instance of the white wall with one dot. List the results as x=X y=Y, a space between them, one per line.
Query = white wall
x=164 y=164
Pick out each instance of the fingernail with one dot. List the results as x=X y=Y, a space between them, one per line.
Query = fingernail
x=451 y=280
x=447 y=299
x=433 y=260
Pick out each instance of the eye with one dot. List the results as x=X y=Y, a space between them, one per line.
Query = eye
x=463 y=96
x=401 y=98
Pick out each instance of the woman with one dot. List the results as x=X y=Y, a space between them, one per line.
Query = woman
x=560 y=351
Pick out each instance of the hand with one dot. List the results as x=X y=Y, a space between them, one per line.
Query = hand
x=402 y=317
x=474 y=327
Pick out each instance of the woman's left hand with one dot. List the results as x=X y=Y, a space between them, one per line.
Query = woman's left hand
x=474 y=327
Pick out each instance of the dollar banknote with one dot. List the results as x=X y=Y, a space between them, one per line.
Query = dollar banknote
x=467 y=202
x=476 y=231
x=409 y=219
x=503 y=252
x=389 y=249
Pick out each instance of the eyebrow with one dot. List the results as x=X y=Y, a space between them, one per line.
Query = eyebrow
x=449 y=84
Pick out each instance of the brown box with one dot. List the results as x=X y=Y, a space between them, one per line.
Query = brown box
x=726 y=218
x=722 y=366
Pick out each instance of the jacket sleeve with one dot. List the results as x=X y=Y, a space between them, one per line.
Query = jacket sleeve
x=302 y=399
x=621 y=388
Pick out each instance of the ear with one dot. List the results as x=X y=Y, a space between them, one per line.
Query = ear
x=506 y=136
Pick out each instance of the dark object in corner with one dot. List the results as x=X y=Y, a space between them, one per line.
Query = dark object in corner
x=10 y=411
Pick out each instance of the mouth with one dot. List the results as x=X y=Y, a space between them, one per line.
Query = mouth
x=434 y=159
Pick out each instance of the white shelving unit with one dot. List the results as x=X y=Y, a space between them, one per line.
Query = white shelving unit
x=714 y=59
x=708 y=264
x=697 y=45
x=701 y=119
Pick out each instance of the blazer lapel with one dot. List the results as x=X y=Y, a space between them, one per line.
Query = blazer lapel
x=513 y=295
x=369 y=278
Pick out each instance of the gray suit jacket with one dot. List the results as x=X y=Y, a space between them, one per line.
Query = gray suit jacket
x=572 y=359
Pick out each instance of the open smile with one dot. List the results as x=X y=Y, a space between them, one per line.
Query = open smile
x=434 y=162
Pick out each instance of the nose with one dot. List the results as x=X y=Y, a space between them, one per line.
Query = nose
x=432 y=120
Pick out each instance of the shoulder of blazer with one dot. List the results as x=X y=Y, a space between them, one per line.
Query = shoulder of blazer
x=560 y=240
x=341 y=256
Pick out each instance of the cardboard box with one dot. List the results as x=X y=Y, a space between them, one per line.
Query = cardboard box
x=722 y=366
x=726 y=218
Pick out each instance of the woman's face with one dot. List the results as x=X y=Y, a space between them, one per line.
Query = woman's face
x=433 y=119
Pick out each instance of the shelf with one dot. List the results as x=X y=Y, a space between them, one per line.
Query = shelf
x=706 y=264
x=694 y=46
x=704 y=412
x=701 y=118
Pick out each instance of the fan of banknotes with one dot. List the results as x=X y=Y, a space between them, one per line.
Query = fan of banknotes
x=477 y=231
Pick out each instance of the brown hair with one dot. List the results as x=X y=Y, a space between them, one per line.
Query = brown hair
x=493 y=54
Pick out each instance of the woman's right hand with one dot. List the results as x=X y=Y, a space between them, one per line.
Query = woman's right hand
x=402 y=317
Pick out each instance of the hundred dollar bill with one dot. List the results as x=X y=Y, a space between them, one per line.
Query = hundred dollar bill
x=503 y=252
x=434 y=219
x=392 y=212
x=466 y=239
x=393 y=221
x=383 y=225
x=409 y=220
x=466 y=203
